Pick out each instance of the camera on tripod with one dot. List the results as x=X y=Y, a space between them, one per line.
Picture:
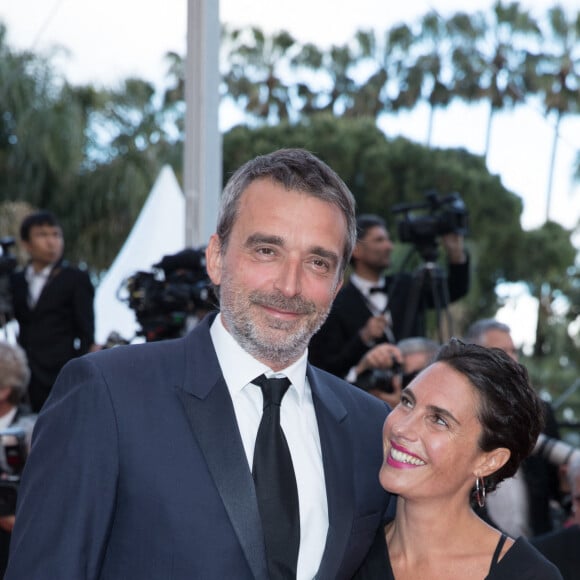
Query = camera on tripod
x=444 y=215
x=178 y=287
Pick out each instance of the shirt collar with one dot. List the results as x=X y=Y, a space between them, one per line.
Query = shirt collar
x=240 y=368
x=44 y=273
x=365 y=285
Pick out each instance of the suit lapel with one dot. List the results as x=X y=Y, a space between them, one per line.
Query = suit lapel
x=210 y=412
x=358 y=300
x=338 y=469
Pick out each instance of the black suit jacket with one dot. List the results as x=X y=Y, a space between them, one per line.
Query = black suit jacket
x=562 y=547
x=542 y=480
x=337 y=346
x=60 y=326
x=137 y=470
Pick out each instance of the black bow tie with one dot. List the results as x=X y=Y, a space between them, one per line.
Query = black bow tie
x=374 y=289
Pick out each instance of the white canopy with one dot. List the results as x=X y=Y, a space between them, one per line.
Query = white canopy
x=158 y=231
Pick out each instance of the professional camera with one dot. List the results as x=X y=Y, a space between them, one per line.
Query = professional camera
x=443 y=215
x=380 y=379
x=7 y=266
x=177 y=288
x=555 y=451
x=383 y=379
x=13 y=453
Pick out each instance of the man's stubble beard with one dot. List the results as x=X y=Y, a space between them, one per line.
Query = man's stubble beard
x=268 y=339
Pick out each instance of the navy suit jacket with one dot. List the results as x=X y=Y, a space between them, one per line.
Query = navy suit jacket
x=137 y=470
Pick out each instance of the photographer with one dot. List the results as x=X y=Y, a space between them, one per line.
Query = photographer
x=384 y=371
x=371 y=308
x=14 y=377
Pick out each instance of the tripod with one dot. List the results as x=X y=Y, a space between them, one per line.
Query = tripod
x=428 y=290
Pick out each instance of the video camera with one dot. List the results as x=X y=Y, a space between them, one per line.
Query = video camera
x=13 y=453
x=163 y=299
x=7 y=266
x=444 y=215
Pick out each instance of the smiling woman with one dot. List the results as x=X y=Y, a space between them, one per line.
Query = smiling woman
x=462 y=426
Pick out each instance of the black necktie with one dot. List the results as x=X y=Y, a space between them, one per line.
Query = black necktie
x=275 y=483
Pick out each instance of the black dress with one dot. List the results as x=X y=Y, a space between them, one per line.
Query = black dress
x=521 y=561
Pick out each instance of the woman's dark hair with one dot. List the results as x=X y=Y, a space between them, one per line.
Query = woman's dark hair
x=510 y=412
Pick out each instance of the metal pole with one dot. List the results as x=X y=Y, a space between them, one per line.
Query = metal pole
x=202 y=164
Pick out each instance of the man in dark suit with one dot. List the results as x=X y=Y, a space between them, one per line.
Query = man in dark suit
x=370 y=313
x=53 y=304
x=141 y=465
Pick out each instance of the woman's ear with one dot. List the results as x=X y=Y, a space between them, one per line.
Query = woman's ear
x=493 y=461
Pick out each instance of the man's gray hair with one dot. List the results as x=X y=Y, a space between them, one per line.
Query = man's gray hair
x=476 y=332
x=415 y=344
x=295 y=169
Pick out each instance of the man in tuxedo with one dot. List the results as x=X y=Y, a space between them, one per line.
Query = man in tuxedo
x=370 y=313
x=53 y=304
x=147 y=460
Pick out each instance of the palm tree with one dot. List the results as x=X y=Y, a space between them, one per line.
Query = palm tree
x=558 y=76
x=490 y=58
x=254 y=69
x=369 y=98
x=329 y=85
x=421 y=66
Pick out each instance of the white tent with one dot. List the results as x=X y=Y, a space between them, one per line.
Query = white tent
x=158 y=231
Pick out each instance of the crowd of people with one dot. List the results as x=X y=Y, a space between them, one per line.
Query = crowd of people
x=307 y=428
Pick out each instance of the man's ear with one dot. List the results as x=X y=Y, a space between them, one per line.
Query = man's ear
x=213 y=259
x=356 y=251
x=493 y=461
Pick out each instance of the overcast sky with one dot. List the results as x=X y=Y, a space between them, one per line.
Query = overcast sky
x=106 y=41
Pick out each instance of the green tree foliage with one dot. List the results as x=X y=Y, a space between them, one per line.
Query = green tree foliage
x=254 y=74
x=426 y=77
x=490 y=57
x=550 y=258
x=89 y=155
x=557 y=75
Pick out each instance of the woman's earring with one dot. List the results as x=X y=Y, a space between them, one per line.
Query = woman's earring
x=480 y=491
